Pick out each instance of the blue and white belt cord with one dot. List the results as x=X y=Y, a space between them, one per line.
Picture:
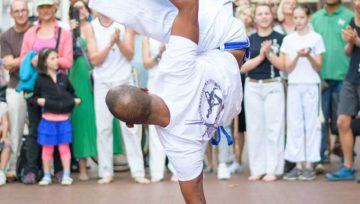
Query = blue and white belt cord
x=238 y=46
x=220 y=130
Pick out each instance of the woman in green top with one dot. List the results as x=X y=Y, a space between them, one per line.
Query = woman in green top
x=83 y=116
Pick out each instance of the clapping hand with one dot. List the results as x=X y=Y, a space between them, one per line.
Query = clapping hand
x=265 y=47
x=349 y=35
x=115 y=37
x=304 y=52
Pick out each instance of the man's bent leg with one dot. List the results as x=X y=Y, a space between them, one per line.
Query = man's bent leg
x=346 y=139
x=193 y=191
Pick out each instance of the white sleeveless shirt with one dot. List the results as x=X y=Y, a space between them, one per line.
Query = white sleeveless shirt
x=115 y=67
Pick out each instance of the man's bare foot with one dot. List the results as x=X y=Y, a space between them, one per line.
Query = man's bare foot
x=156 y=180
x=269 y=178
x=254 y=178
x=105 y=180
x=142 y=180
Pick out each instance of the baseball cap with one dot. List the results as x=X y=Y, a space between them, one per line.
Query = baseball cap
x=44 y=2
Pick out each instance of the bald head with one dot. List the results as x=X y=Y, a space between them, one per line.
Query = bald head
x=129 y=104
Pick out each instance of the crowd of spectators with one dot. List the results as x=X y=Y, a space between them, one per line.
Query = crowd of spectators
x=301 y=85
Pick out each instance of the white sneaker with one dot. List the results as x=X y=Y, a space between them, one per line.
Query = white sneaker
x=66 y=181
x=236 y=168
x=2 y=178
x=223 y=172
x=45 y=181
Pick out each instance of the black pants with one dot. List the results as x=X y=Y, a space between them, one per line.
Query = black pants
x=33 y=149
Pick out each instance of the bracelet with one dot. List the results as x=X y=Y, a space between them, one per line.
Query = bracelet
x=157 y=58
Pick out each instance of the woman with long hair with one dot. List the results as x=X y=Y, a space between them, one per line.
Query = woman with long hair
x=285 y=17
x=83 y=116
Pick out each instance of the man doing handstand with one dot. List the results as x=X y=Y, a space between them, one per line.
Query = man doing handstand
x=193 y=95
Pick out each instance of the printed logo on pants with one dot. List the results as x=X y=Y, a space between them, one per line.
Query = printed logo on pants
x=210 y=108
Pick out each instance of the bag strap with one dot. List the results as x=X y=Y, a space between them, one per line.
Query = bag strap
x=58 y=39
x=83 y=53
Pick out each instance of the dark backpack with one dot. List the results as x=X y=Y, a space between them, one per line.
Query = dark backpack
x=21 y=160
x=21 y=163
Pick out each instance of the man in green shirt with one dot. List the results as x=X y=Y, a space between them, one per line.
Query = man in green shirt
x=329 y=23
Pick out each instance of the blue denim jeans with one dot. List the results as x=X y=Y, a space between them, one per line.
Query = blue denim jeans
x=334 y=87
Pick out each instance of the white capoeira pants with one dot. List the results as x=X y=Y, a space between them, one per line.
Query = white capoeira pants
x=105 y=135
x=265 y=125
x=157 y=155
x=17 y=114
x=303 y=134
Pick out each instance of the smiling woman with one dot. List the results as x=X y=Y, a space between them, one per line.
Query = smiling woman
x=264 y=99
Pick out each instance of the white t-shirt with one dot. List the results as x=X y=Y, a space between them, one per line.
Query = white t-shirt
x=303 y=71
x=202 y=92
x=115 y=67
x=154 y=18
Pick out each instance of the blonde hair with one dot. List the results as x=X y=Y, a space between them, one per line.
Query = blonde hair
x=243 y=9
x=280 y=11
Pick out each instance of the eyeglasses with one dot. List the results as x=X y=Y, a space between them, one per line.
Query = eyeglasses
x=18 y=12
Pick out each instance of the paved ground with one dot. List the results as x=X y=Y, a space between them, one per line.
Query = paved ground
x=236 y=190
